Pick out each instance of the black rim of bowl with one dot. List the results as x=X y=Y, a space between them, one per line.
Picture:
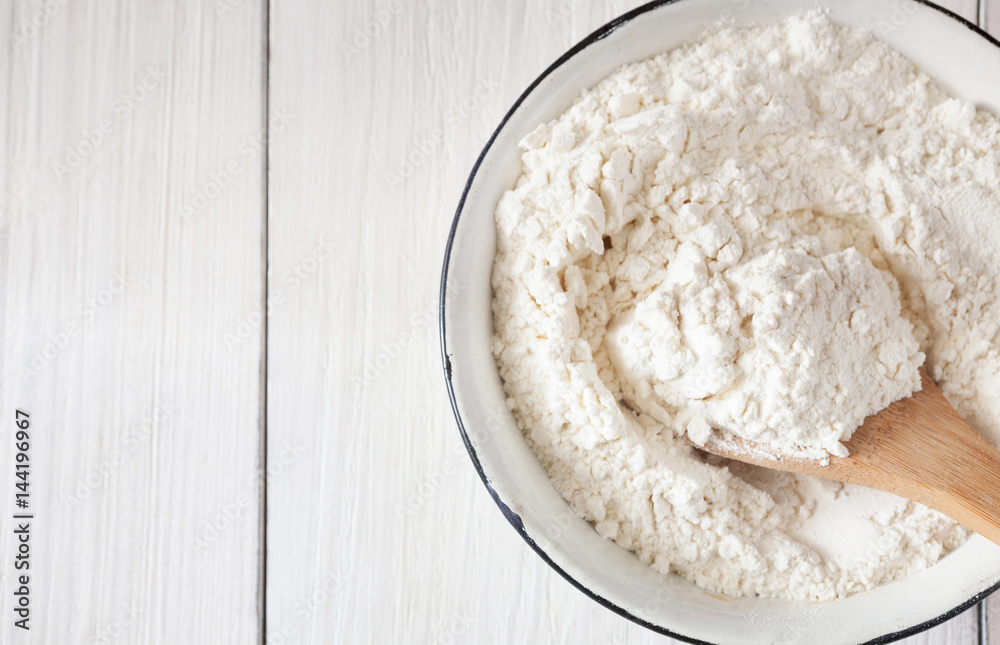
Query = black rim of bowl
x=514 y=518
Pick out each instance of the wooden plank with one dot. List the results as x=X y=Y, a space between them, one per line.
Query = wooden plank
x=989 y=17
x=117 y=119
x=991 y=620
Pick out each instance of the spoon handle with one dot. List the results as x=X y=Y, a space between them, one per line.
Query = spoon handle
x=922 y=449
x=919 y=448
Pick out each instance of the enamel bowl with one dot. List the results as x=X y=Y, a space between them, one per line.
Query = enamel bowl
x=967 y=61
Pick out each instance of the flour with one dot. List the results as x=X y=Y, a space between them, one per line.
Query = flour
x=789 y=350
x=765 y=233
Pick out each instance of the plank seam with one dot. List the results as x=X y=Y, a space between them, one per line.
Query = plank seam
x=265 y=262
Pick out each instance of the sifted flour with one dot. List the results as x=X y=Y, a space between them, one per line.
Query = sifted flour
x=765 y=233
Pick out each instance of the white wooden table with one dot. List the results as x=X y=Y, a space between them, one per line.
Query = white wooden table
x=218 y=268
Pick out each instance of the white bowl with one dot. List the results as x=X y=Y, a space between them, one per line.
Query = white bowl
x=966 y=61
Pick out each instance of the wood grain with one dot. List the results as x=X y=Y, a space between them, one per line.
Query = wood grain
x=991 y=620
x=115 y=116
x=989 y=17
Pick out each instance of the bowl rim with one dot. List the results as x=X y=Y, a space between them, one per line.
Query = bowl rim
x=513 y=518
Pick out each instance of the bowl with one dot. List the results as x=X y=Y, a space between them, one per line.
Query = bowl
x=943 y=45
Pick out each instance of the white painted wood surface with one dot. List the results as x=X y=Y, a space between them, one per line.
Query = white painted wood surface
x=115 y=117
x=148 y=422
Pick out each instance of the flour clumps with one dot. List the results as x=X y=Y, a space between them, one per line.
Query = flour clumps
x=764 y=234
x=789 y=350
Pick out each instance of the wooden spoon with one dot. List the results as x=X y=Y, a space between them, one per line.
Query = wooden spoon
x=919 y=448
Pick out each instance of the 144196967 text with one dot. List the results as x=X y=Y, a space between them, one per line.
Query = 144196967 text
x=22 y=520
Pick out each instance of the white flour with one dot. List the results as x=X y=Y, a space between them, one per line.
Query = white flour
x=763 y=233
x=787 y=349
